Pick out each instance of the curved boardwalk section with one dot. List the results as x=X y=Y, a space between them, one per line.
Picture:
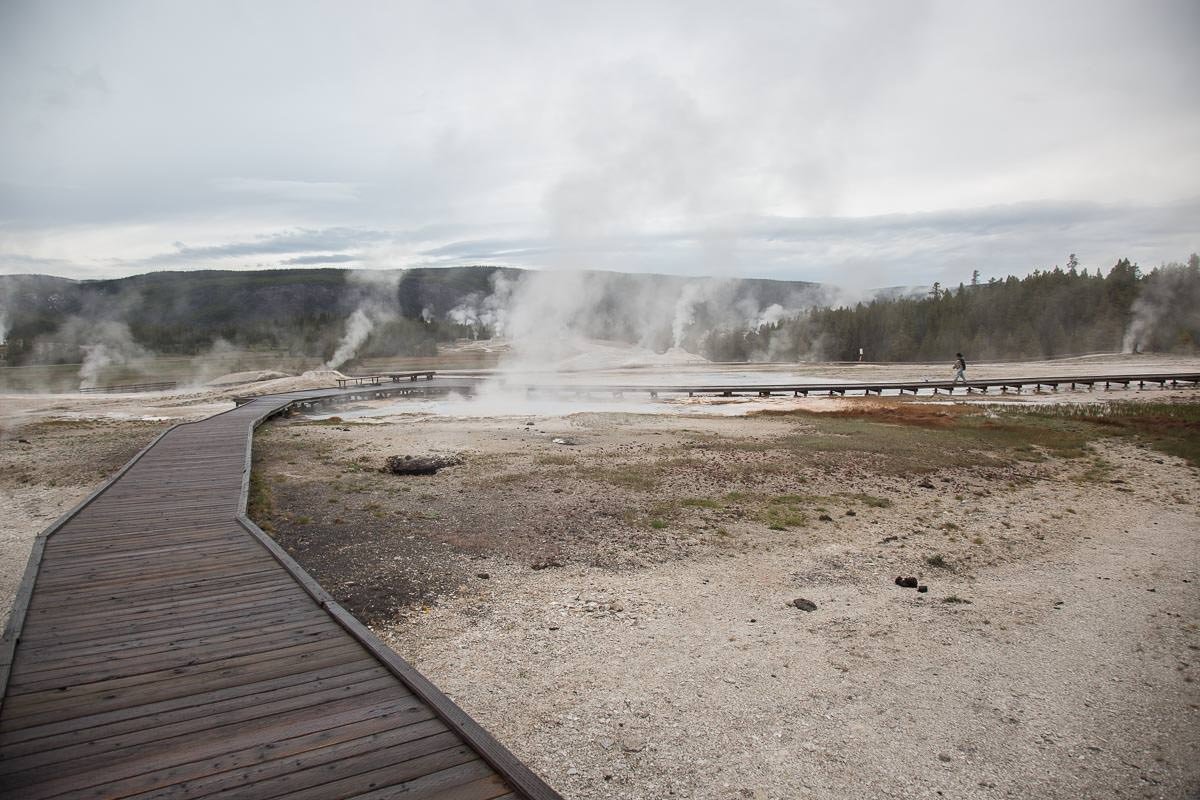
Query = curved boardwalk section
x=161 y=646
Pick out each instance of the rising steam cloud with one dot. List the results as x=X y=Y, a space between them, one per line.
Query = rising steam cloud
x=553 y=319
x=107 y=345
x=358 y=327
x=376 y=305
x=1167 y=312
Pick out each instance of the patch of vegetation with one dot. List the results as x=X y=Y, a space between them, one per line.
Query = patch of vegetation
x=557 y=460
x=642 y=477
x=905 y=443
x=260 y=504
x=869 y=500
x=1172 y=428
x=700 y=502
x=781 y=513
x=658 y=523
x=937 y=560
x=503 y=479
x=956 y=599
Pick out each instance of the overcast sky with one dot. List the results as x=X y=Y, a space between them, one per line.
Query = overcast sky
x=870 y=144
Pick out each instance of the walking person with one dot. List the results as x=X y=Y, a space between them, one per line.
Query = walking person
x=960 y=367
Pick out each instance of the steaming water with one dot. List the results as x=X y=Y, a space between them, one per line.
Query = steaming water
x=518 y=405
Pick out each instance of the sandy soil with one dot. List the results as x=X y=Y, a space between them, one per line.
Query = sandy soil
x=619 y=621
x=616 y=609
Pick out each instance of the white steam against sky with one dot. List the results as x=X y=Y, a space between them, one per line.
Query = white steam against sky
x=858 y=143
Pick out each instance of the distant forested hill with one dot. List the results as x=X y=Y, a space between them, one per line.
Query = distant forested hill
x=1048 y=313
x=306 y=311
x=314 y=312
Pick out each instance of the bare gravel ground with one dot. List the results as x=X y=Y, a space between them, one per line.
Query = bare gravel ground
x=617 y=610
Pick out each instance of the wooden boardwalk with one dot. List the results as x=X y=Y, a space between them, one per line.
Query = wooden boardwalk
x=863 y=388
x=162 y=646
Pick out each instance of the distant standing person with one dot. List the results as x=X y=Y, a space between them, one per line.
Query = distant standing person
x=960 y=367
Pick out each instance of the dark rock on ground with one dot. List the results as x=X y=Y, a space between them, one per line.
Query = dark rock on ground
x=922 y=588
x=419 y=465
x=908 y=583
x=804 y=605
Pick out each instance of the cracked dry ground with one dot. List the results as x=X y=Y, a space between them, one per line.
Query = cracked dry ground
x=618 y=610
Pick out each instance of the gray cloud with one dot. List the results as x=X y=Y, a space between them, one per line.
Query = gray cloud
x=275 y=244
x=807 y=140
x=329 y=258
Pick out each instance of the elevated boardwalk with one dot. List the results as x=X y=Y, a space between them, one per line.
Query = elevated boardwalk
x=162 y=646
x=866 y=388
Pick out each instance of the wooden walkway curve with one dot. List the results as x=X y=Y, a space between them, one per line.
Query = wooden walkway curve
x=162 y=646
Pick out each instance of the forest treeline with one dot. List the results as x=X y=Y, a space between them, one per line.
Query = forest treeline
x=308 y=312
x=299 y=312
x=1048 y=313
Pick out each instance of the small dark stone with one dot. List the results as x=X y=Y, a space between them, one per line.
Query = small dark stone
x=851 y=513
x=887 y=539
x=908 y=583
x=825 y=518
x=925 y=484
x=804 y=605
x=922 y=588
x=546 y=563
x=483 y=575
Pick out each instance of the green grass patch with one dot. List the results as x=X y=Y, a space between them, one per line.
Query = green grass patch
x=869 y=500
x=975 y=437
x=641 y=477
x=700 y=502
x=556 y=460
x=1171 y=428
x=260 y=503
